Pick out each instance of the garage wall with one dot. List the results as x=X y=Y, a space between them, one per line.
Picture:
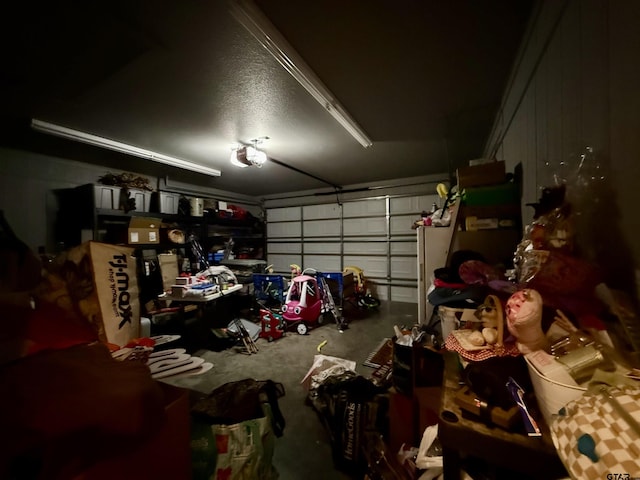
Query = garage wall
x=373 y=233
x=28 y=181
x=576 y=85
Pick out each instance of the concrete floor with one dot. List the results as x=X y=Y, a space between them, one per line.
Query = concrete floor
x=304 y=450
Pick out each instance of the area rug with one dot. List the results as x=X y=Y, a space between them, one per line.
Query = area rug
x=381 y=355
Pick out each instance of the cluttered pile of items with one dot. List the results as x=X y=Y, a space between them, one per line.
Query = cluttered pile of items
x=548 y=341
x=546 y=346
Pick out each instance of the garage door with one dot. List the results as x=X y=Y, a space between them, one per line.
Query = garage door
x=374 y=234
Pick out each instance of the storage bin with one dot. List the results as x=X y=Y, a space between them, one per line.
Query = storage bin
x=142 y=198
x=169 y=202
x=106 y=197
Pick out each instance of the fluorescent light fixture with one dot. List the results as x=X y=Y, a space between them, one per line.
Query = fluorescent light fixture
x=95 y=140
x=256 y=22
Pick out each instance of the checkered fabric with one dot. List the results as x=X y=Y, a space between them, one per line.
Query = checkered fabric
x=508 y=349
x=616 y=443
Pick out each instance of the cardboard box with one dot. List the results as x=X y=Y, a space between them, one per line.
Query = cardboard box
x=110 y=295
x=485 y=174
x=144 y=230
x=168 y=269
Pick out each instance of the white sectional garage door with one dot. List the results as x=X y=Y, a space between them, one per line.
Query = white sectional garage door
x=374 y=234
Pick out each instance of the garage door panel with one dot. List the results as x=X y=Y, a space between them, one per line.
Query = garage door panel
x=404 y=248
x=284 y=230
x=401 y=224
x=381 y=292
x=322 y=228
x=364 y=208
x=281 y=263
x=314 y=247
x=323 y=263
x=331 y=210
x=283 y=214
x=404 y=294
x=370 y=248
x=365 y=226
x=404 y=268
x=404 y=205
x=290 y=248
x=372 y=266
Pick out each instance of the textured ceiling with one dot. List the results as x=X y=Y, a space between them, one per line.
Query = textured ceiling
x=184 y=78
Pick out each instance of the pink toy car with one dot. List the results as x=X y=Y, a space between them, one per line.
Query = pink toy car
x=303 y=305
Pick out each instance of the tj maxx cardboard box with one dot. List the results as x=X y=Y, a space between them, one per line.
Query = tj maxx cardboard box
x=144 y=230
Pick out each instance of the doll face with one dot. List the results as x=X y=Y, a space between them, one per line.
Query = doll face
x=523 y=303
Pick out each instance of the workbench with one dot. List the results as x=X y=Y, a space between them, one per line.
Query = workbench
x=506 y=452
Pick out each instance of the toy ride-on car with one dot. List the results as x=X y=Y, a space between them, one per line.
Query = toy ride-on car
x=272 y=325
x=303 y=305
x=362 y=297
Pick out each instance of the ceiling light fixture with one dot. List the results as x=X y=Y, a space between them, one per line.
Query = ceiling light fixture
x=95 y=140
x=239 y=157
x=249 y=155
x=252 y=18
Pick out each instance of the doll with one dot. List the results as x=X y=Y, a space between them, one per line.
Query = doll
x=524 y=320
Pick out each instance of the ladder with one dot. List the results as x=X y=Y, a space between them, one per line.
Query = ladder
x=330 y=305
x=248 y=342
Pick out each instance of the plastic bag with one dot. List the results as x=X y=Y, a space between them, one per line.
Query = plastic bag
x=350 y=406
x=429 y=455
x=440 y=219
x=552 y=231
x=323 y=367
x=234 y=429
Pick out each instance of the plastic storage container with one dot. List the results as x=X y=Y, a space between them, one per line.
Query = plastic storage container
x=169 y=202
x=142 y=198
x=106 y=197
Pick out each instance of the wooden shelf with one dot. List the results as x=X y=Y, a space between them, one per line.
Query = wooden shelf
x=436 y=244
